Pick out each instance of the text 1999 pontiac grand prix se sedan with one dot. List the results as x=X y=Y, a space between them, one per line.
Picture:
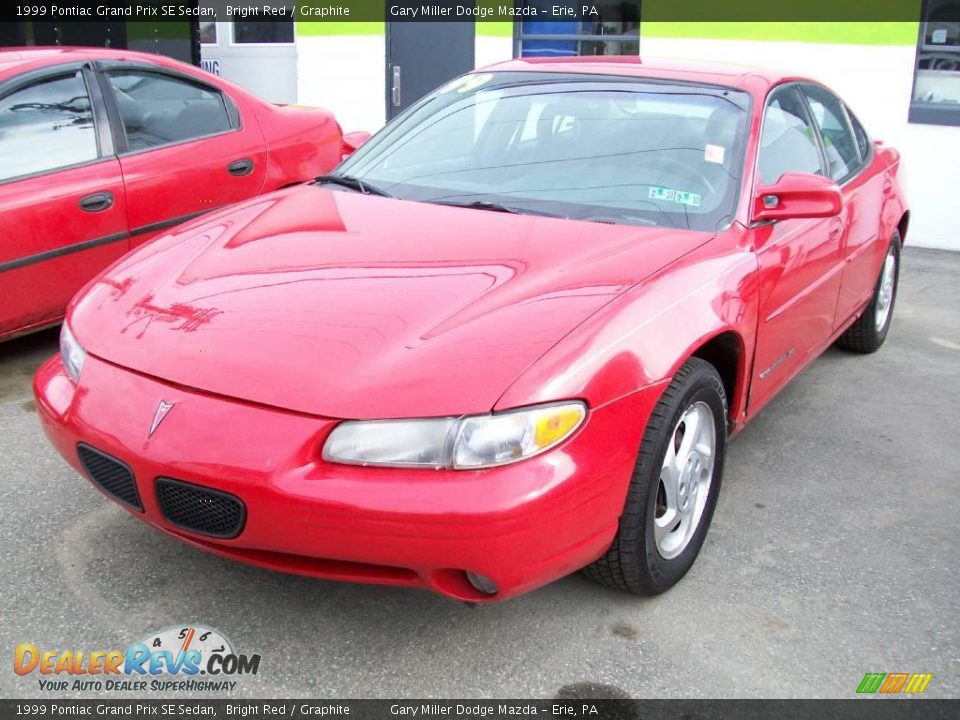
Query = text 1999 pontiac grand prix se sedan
x=507 y=339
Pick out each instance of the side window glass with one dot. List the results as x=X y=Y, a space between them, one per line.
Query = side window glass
x=863 y=141
x=45 y=126
x=158 y=109
x=839 y=143
x=788 y=142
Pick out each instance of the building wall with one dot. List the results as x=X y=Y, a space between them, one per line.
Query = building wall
x=869 y=64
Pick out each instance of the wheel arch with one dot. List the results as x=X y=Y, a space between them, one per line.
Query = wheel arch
x=902 y=226
x=725 y=351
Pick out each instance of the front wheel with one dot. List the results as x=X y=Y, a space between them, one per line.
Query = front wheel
x=674 y=487
x=867 y=334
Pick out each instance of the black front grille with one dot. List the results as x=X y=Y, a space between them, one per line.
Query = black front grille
x=114 y=477
x=199 y=509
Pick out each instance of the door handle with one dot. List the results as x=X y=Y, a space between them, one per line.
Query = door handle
x=887 y=186
x=836 y=229
x=240 y=167
x=97 y=202
x=395 y=87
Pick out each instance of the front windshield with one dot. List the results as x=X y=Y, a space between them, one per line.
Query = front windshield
x=588 y=147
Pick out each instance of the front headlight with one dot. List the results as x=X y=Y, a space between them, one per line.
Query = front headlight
x=71 y=353
x=465 y=443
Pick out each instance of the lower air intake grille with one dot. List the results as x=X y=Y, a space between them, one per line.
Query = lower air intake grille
x=199 y=509
x=111 y=475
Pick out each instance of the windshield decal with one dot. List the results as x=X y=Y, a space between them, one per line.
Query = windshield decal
x=671 y=195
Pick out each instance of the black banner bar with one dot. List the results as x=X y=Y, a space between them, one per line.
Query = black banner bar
x=560 y=709
x=467 y=10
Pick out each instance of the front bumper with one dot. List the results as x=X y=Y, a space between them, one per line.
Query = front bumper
x=521 y=525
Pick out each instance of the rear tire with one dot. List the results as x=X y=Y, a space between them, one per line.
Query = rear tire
x=674 y=487
x=867 y=334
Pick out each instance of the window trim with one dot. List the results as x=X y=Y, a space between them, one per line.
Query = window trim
x=104 y=69
x=48 y=73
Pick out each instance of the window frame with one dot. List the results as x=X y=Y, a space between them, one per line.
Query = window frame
x=101 y=125
x=793 y=87
x=863 y=162
x=105 y=69
x=925 y=113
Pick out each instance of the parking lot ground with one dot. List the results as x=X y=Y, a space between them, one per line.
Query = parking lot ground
x=834 y=552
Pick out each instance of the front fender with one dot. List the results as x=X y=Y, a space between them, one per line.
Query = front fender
x=645 y=335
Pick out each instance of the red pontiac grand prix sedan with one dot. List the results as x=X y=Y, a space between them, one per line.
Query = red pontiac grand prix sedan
x=102 y=150
x=508 y=339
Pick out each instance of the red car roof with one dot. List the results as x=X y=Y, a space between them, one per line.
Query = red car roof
x=753 y=79
x=19 y=59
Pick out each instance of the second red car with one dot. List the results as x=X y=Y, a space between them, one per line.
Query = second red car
x=104 y=149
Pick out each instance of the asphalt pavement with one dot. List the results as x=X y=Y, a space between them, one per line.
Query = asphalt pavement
x=833 y=552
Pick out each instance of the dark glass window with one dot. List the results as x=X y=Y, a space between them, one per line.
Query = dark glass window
x=259 y=32
x=208 y=32
x=614 y=31
x=159 y=109
x=45 y=126
x=936 y=82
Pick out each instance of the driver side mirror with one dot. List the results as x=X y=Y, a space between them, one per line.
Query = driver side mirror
x=797 y=195
x=352 y=142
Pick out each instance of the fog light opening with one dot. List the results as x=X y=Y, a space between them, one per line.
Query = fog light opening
x=482 y=583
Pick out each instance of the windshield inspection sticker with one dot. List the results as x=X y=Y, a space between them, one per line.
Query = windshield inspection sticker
x=714 y=154
x=660 y=193
x=687 y=198
x=670 y=195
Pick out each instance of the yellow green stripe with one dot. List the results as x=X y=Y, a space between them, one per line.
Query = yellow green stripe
x=849 y=33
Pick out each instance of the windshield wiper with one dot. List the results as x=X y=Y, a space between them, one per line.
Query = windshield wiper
x=352 y=183
x=492 y=206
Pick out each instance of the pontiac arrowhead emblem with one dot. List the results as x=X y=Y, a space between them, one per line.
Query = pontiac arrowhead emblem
x=163 y=409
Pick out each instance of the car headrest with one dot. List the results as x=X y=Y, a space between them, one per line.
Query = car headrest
x=722 y=128
x=200 y=118
x=559 y=126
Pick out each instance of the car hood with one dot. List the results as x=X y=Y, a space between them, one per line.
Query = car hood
x=351 y=306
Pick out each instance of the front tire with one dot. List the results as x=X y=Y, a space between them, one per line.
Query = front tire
x=867 y=334
x=674 y=487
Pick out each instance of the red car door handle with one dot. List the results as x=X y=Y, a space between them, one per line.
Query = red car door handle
x=97 y=202
x=836 y=229
x=240 y=167
x=887 y=186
